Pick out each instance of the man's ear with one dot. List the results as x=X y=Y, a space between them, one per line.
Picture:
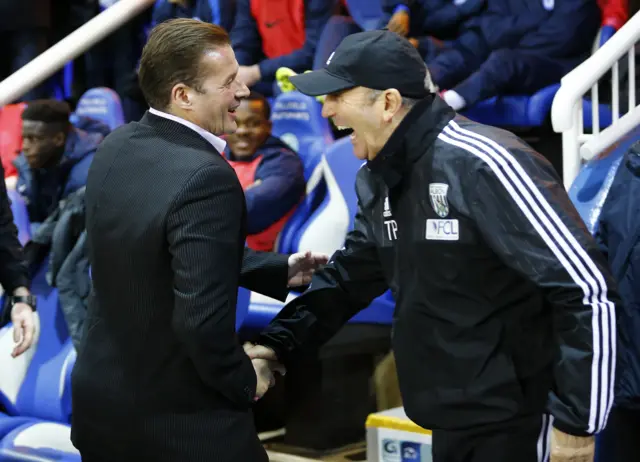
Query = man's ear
x=392 y=104
x=269 y=125
x=59 y=139
x=181 y=96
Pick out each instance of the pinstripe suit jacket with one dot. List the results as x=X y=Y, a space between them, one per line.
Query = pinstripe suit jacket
x=161 y=375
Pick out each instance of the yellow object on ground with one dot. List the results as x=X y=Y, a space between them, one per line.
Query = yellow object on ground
x=393 y=437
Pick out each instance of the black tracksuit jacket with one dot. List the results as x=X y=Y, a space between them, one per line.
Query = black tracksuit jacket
x=504 y=307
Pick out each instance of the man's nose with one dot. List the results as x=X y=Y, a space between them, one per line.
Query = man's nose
x=243 y=91
x=328 y=109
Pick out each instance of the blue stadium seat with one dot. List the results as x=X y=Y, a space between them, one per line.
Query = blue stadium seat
x=528 y=111
x=365 y=13
x=102 y=104
x=534 y=110
x=10 y=423
x=35 y=388
x=325 y=231
x=590 y=188
x=37 y=383
x=39 y=441
x=297 y=120
x=20 y=216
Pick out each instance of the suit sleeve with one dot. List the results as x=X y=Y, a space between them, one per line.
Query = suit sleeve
x=346 y=285
x=266 y=273
x=13 y=270
x=525 y=215
x=203 y=230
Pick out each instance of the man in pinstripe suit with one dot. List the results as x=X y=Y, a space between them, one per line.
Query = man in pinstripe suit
x=161 y=375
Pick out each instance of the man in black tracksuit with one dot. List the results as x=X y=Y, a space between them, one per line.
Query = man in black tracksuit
x=505 y=316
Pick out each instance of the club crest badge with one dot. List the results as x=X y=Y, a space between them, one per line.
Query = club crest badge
x=438 y=197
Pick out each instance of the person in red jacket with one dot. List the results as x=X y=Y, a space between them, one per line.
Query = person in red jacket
x=270 y=34
x=271 y=174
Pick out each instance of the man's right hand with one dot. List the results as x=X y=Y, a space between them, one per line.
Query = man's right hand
x=399 y=23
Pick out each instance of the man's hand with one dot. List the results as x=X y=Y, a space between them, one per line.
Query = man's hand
x=569 y=448
x=265 y=364
x=249 y=75
x=302 y=265
x=264 y=376
x=399 y=23
x=24 y=327
x=261 y=352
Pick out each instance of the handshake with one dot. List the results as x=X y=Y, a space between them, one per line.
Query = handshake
x=266 y=364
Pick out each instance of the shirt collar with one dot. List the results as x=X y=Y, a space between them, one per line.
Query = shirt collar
x=218 y=143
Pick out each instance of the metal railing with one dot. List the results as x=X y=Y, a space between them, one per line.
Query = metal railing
x=567 y=108
x=70 y=47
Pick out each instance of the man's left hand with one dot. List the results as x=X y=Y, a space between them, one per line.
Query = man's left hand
x=302 y=265
x=249 y=75
x=569 y=448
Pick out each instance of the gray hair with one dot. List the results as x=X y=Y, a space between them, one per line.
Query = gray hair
x=407 y=102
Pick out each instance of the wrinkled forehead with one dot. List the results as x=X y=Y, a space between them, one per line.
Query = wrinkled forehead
x=352 y=93
x=219 y=63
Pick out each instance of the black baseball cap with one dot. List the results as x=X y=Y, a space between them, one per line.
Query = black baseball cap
x=377 y=59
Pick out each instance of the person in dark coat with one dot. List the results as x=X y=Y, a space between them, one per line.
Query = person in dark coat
x=55 y=157
x=504 y=327
x=618 y=234
x=515 y=47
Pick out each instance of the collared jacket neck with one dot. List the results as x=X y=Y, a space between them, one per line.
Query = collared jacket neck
x=411 y=139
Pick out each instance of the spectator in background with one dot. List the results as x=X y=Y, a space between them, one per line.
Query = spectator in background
x=271 y=174
x=217 y=12
x=423 y=20
x=55 y=157
x=268 y=35
x=24 y=28
x=516 y=47
x=618 y=235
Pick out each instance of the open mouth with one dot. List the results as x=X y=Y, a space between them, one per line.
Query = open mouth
x=344 y=130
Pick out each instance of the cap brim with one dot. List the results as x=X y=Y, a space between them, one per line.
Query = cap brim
x=319 y=82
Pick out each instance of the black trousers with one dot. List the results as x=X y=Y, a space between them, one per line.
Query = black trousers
x=523 y=440
x=620 y=440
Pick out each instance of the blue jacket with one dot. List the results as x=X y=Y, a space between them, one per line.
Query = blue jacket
x=282 y=184
x=432 y=17
x=89 y=124
x=43 y=189
x=247 y=44
x=553 y=28
x=221 y=12
x=618 y=235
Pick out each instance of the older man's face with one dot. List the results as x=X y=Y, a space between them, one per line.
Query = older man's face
x=356 y=110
